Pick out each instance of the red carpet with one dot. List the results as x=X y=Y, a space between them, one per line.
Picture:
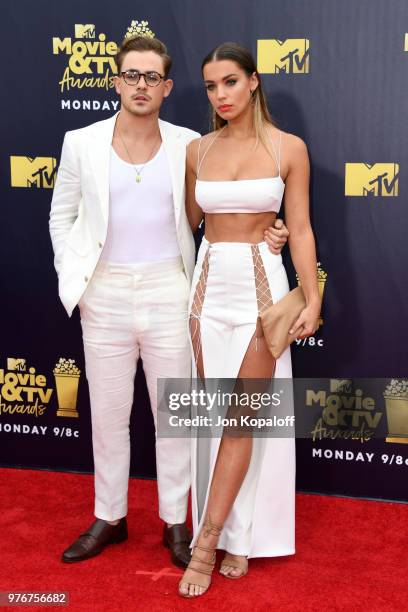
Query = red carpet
x=350 y=554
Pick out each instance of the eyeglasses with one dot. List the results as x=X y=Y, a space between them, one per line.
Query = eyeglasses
x=132 y=77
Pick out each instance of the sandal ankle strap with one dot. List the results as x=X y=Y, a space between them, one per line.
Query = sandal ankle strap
x=205 y=548
x=209 y=527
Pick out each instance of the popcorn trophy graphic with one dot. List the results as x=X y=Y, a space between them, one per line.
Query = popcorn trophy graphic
x=67 y=379
x=139 y=28
x=321 y=281
x=396 y=404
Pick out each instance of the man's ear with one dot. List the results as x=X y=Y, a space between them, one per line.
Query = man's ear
x=168 y=86
x=116 y=82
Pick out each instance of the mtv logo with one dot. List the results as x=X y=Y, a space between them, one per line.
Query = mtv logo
x=290 y=56
x=16 y=364
x=33 y=171
x=341 y=386
x=84 y=30
x=379 y=179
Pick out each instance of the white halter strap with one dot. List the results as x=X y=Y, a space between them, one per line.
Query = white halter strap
x=277 y=155
x=200 y=162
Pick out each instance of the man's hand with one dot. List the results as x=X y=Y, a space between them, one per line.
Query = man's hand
x=276 y=237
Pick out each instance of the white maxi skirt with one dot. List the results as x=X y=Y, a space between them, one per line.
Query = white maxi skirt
x=231 y=279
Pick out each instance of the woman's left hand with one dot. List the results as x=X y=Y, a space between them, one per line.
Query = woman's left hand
x=307 y=322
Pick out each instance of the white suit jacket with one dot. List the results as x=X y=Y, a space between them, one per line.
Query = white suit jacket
x=80 y=203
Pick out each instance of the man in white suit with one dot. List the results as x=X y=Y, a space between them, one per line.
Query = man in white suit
x=124 y=253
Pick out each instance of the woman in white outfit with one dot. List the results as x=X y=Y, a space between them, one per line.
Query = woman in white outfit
x=236 y=177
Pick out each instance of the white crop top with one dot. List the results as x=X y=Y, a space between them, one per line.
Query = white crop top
x=241 y=196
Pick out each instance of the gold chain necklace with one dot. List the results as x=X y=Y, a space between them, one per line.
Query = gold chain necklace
x=138 y=172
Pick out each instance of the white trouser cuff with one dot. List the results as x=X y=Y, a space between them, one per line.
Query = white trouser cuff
x=110 y=514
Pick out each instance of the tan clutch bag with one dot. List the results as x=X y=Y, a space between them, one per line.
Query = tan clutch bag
x=279 y=318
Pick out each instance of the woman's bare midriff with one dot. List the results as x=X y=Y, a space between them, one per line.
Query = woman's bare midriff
x=237 y=227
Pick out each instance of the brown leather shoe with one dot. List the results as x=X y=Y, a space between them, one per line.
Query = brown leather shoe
x=93 y=541
x=178 y=538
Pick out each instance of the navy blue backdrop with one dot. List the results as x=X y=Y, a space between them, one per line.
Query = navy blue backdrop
x=336 y=74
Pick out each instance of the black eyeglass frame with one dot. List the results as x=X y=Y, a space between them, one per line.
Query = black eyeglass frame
x=142 y=74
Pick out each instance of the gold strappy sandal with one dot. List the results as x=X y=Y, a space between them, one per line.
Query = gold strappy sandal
x=199 y=565
x=241 y=564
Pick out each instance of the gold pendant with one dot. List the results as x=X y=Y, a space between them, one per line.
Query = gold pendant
x=138 y=178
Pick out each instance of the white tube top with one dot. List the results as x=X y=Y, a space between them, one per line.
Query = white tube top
x=242 y=196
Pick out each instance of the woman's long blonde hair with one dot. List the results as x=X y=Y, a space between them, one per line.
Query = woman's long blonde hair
x=261 y=116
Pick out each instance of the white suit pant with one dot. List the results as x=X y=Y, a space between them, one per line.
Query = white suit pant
x=127 y=311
